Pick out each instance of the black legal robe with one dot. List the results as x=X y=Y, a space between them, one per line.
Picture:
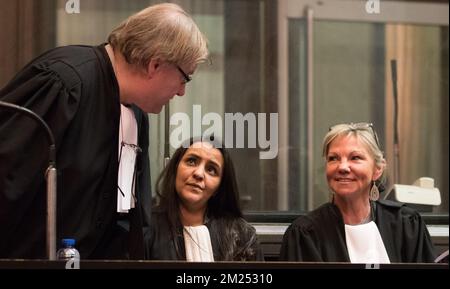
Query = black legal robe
x=160 y=244
x=75 y=91
x=320 y=235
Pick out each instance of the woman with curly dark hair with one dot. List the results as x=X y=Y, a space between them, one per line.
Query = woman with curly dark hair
x=197 y=216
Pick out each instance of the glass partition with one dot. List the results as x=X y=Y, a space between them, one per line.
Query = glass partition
x=309 y=63
x=351 y=82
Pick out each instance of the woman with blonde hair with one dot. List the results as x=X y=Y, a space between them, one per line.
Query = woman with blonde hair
x=355 y=226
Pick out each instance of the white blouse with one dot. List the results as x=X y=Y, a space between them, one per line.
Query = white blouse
x=365 y=245
x=197 y=242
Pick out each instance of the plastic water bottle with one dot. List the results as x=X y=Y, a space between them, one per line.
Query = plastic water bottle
x=69 y=254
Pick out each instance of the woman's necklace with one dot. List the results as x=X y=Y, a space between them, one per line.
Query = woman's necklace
x=368 y=218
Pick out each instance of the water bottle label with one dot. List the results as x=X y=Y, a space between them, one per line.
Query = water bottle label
x=73 y=263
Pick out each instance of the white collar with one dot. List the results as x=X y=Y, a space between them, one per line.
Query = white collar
x=128 y=150
x=197 y=242
x=364 y=244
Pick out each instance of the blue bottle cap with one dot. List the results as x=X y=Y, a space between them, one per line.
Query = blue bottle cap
x=68 y=242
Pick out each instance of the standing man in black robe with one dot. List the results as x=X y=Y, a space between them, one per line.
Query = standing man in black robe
x=95 y=101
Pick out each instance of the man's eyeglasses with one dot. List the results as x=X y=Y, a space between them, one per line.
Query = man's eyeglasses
x=363 y=126
x=186 y=76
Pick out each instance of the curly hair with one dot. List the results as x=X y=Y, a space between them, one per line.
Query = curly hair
x=234 y=236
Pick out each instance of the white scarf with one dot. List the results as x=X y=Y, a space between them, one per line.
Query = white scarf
x=197 y=242
x=365 y=245
x=127 y=160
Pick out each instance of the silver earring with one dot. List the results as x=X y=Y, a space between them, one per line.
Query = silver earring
x=374 y=193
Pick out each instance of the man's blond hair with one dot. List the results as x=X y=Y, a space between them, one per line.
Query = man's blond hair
x=163 y=31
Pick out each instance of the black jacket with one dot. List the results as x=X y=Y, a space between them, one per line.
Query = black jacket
x=75 y=91
x=160 y=244
x=320 y=235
